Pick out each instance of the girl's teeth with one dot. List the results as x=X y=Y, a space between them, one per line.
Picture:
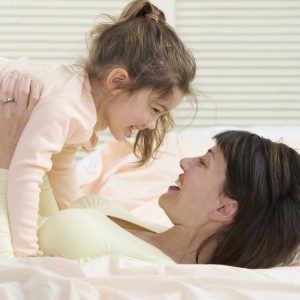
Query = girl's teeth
x=131 y=131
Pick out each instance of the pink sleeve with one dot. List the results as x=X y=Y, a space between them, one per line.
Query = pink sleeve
x=63 y=177
x=45 y=134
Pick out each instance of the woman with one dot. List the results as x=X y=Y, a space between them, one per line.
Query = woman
x=237 y=205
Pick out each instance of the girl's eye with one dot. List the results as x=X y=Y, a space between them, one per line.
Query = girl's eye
x=157 y=111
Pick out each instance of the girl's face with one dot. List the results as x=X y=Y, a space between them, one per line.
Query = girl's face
x=138 y=111
x=198 y=191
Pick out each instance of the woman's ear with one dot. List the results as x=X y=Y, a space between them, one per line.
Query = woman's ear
x=116 y=79
x=225 y=212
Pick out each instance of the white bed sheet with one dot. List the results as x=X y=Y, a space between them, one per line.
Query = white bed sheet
x=117 y=278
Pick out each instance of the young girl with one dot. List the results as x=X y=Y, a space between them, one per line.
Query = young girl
x=136 y=72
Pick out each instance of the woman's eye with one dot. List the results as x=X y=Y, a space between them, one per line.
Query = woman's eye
x=202 y=162
x=157 y=111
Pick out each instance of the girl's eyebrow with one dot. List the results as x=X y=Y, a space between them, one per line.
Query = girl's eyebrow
x=163 y=107
x=211 y=152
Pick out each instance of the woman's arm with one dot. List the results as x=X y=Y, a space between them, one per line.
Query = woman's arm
x=15 y=115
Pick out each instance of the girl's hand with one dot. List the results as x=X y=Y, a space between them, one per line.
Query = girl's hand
x=19 y=95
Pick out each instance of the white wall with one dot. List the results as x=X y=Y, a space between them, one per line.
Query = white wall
x=247 y=51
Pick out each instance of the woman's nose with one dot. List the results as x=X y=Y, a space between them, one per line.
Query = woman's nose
x=187 y=163
x=184 y=164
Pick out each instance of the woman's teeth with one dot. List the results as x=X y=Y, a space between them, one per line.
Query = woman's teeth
x=178 y=184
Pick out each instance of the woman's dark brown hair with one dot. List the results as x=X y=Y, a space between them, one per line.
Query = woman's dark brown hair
x=141 y=41
x=264 y=177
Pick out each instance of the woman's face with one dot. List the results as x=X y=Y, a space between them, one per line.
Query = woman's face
x=138 y=111
x=198 y=189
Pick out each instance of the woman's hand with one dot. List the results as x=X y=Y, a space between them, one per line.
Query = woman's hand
x=19 y=95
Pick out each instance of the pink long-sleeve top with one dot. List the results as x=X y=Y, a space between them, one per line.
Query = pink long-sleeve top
x=63 y=120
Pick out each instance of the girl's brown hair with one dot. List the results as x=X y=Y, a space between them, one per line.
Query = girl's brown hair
x=264 y=177
x=141 y=41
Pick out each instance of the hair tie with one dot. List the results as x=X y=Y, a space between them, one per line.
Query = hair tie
x=152 y=16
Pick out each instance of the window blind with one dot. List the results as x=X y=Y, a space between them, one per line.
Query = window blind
x=248 y=60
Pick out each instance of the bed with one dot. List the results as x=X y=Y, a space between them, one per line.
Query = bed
x=108 y=171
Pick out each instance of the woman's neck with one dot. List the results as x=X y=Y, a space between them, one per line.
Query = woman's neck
x=180 y=245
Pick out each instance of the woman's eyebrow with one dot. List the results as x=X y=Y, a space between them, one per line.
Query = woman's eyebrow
x=211 y=152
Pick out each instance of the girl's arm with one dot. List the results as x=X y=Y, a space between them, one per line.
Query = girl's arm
x=13 y=118
x=29 y=160
x=44 y=135
x=63 y=177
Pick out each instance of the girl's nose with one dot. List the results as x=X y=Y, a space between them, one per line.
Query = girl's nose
x=151 y=125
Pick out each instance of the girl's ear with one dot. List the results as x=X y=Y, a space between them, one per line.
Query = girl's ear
x=225 y=212
x=116 y=79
